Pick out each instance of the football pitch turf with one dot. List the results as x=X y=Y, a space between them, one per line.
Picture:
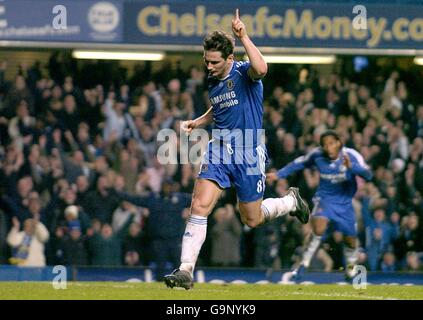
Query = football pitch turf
x=204 y=291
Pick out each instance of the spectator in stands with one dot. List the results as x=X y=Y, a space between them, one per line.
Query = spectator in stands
x=72 y=247
x=414 y=262
x=410 y=239
x=118 y=121
x=225 y=235
x=28 y=244
x=15 y=95
x=133 y=246
x=106 y=247
x=100 y=203
x=82 y=189
x=22 y=126
x=388 y=262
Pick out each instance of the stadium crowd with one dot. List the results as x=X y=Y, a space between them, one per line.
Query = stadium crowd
x=81 y=183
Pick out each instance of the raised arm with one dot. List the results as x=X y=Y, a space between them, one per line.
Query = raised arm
x=298 y=164
x=138 y=200
x=258 y=68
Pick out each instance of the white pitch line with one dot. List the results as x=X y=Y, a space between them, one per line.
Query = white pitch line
x=343 y=295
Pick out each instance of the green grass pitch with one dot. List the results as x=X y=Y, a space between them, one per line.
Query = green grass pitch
x=204 y=291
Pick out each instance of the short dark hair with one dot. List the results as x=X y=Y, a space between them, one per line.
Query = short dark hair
x=330 y=133
x=219 y=41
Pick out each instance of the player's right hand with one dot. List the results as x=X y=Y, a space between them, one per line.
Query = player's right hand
x=188 y=126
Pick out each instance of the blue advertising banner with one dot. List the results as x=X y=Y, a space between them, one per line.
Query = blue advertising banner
x=65 y=21
x=277 y=24
x=182 y=23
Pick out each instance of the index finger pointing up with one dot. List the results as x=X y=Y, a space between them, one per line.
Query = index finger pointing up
x=236 y=13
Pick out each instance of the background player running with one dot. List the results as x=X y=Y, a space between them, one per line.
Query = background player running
x=338 y=167
x=236 y=95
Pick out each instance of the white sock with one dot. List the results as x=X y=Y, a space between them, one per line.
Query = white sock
x=351 y=255
x=311 y=250
x=276 y=207
x=194 y=236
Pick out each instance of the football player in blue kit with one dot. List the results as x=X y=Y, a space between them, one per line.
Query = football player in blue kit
x=236 y=154
x=338 y=167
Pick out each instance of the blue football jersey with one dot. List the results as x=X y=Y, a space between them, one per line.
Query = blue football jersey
x=337 y=183
x=237 y=103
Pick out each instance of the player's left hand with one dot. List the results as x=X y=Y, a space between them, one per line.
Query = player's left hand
x=347 y=161
x=238 y=27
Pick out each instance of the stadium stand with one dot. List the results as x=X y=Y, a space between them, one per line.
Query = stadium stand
x=76 y=136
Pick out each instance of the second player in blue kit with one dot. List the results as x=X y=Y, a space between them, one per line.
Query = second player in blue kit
x=338 y=167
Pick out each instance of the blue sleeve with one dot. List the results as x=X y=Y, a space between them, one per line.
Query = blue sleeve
x=243 y=67
x=298 y=164
x=141 y=201
x=359 y=167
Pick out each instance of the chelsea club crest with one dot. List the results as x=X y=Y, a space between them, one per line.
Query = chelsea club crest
x=230 y=84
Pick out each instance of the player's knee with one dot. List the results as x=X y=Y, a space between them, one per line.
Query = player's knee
x=319 y=230
x=199 y=207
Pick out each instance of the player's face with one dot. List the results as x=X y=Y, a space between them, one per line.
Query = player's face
x=216 y=65
x=331 y=146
